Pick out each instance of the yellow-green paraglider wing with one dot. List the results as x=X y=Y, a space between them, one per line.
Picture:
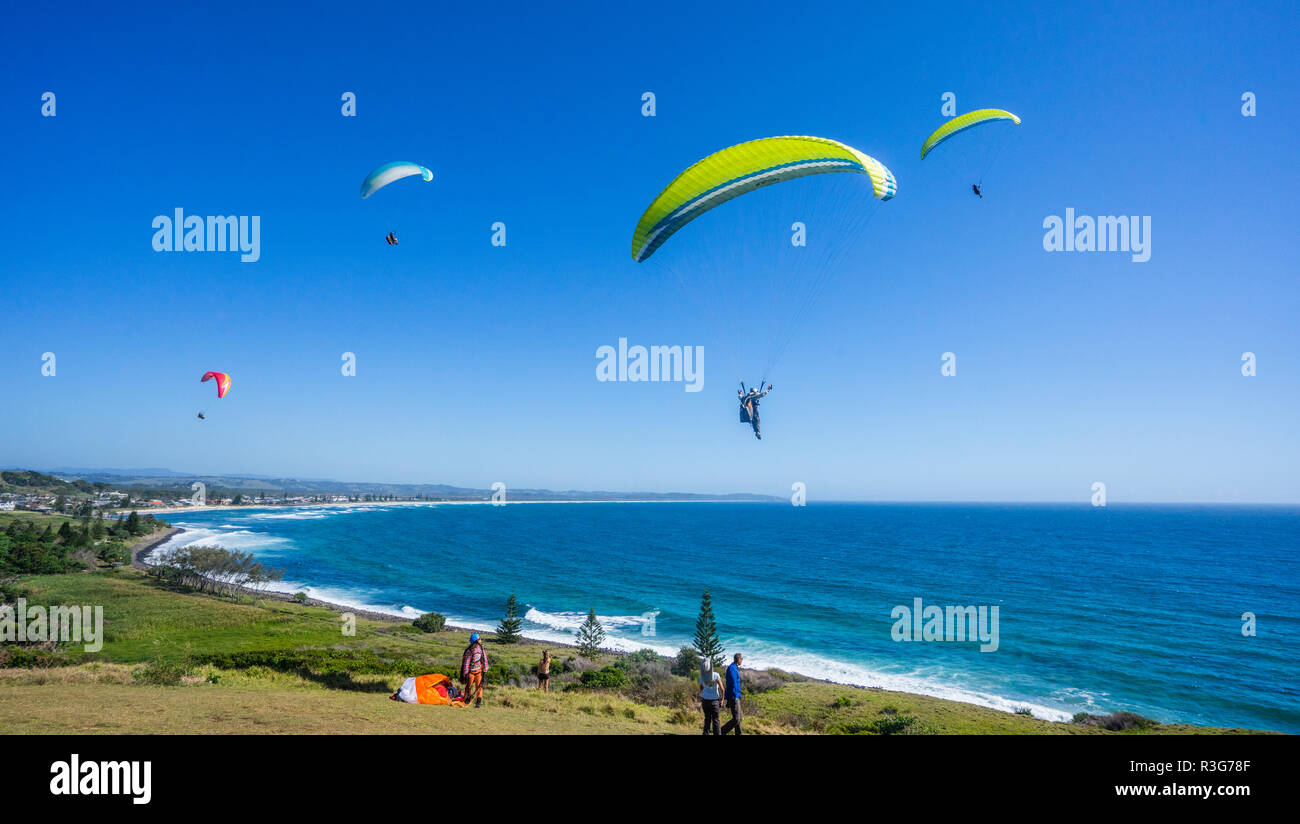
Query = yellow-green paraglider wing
x=961 y=123
x=743 y=168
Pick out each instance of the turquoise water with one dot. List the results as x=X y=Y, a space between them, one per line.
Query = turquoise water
x=1122 y=608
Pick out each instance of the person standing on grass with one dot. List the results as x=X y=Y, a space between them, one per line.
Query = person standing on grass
x=733 y=694
x=544 y=672
x=710 y=696
x=473 y=666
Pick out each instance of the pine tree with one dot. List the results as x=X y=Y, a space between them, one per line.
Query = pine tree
x=706 y=639
x=590 y=636
x=508 y=629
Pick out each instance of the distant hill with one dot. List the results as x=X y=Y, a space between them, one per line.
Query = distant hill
x=27 y=482
x=159 y=481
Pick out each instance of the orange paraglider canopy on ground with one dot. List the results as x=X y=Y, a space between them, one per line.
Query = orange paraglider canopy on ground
x=427 y=689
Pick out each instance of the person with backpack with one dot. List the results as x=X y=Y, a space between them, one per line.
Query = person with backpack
x=710 y=696
x=473 y=666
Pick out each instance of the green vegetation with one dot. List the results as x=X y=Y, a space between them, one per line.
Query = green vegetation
x=430 y=622
x=590 y=636
x=216 y=570
x=707 y=643
x=508 y=631
x=178 y=661
x=33 y=543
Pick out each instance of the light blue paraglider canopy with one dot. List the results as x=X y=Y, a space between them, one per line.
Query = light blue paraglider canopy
x=387 y=173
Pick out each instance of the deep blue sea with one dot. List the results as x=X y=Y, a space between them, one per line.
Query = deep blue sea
x=1099 y=609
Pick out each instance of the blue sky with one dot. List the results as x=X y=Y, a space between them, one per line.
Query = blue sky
x=477 y=363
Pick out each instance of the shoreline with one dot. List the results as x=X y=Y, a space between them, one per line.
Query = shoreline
x=140 y=561
x=350 y=504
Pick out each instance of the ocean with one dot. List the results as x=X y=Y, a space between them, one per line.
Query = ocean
x=1136 y=607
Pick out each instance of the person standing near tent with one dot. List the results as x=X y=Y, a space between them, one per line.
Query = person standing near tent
x=544 y=672
x=733 y=694
x=710 y=696
x=473 y=665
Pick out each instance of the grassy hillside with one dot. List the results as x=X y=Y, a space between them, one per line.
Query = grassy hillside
x=177 y=662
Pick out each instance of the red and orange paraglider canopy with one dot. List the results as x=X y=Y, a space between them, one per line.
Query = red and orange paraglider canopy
x=222 y=379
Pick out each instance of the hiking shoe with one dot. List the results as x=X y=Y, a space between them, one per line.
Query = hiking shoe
x=478 y=702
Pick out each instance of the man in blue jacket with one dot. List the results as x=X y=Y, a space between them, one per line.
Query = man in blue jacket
x=733 y=695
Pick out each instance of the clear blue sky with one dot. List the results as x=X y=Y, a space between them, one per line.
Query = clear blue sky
x=477 y=364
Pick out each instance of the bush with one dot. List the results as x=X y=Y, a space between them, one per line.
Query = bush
x=331 y=662
x=161 y=674
x=1115 y=722
x=507 y=674
x=612 y=677
x=115 y=553
x=300 y=597
x=1025 y=711
x=756 y=681
x=27 y=658
x=431 y=622
x=687 y=663
x=842 y=701
x=11 y=592
x=889 y=725
x=642 y=656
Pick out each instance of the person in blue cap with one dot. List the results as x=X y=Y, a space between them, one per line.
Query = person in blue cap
x=473 y=665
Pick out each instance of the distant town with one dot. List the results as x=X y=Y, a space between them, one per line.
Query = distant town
x=81 y=493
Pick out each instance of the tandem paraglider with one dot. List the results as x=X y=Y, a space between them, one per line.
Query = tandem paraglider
x=388 y=173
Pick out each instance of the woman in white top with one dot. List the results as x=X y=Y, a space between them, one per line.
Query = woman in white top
x=710 y=696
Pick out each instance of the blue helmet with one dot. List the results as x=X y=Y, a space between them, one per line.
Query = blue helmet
x=473 y=638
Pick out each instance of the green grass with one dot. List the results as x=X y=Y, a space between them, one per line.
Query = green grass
x=176 y=662
x=41 y=519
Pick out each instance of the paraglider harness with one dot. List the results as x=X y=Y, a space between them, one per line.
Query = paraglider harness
x=749 y=404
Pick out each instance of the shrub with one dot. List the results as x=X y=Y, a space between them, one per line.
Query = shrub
x=1025 y=711
x=1116 y=722
x=430 y=622
x=612 y=677
x=300 y=597
x=756 y=681
x=507 y=674
x=687 y=663
x=889 y=725
x=336 y=662
x=27 y=658
x=842 y=701
x=642 y=656
x=161 y=673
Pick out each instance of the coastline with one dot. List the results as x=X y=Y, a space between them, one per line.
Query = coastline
x=996 y=702
x=351 y=504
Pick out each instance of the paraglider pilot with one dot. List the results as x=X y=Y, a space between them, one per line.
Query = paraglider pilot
x=391 y=238
x=975 y=187
x=749 y=406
